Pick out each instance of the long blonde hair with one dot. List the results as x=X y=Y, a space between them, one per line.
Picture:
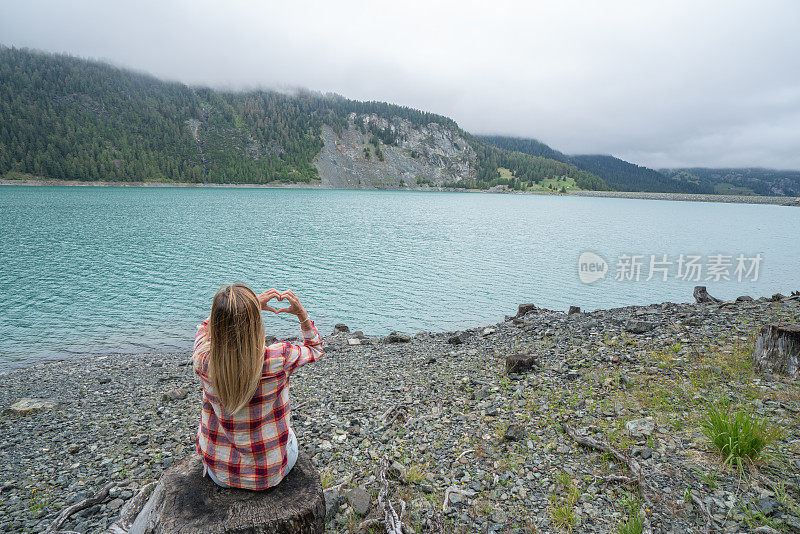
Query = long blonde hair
x=237 y=346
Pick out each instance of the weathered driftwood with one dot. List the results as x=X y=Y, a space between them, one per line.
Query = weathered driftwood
x=397 y=413
x=97 y=498
x=392 y=521
x=701 y=296
x=183 y=502
x=777 y=349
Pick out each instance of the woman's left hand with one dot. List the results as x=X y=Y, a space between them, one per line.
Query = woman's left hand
x=295 y=308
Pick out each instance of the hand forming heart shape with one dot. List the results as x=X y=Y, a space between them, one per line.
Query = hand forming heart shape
x=268 y=295
x=295 y=308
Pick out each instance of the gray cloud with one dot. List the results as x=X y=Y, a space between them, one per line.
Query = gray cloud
x=680 y=83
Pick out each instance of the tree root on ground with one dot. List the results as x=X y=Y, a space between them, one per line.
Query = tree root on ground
x=97 y=498
x=636 y=470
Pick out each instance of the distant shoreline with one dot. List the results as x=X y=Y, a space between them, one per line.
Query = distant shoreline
x=80 y=183
x=679 y=197
x=692 y=197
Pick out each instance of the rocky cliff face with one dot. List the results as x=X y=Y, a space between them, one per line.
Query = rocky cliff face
x=430 y=155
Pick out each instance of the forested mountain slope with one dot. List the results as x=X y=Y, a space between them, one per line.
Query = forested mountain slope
x=747 y=181
x=66 y=118
x=624 y=176
x=618 y=174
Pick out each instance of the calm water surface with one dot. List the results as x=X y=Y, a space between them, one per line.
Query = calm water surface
x=99 y=270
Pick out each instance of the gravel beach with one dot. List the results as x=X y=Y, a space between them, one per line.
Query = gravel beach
x=442 y=410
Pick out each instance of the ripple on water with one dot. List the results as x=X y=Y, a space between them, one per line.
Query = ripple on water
x=92 y=270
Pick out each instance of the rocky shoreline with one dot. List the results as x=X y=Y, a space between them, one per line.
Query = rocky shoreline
x=452 y=423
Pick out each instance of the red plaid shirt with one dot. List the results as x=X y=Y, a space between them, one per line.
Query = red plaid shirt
x=248 y=449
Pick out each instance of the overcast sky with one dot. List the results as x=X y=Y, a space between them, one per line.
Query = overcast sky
x=660 y=83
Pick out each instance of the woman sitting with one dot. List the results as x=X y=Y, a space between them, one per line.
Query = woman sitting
x=245 y=437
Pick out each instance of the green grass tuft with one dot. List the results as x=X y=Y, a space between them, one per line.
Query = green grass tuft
x=739 y=437
x=633 y=525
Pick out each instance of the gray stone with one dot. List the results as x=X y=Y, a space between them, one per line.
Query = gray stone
x=640 y=428
x=639 y=327
x=340 y=328
x=333 y=500
x=457 y=339
x=457 y=498
x=394 y=337
x=140 y=439
x=432 y=151
x=25 y=406
x=499 y=516
x=175 y=394
x=359 y=500
x=573 y=310
x=397 y=470
x=514 y=432
x=771 y=507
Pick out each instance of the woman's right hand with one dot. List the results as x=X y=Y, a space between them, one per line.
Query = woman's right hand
x=266 y=296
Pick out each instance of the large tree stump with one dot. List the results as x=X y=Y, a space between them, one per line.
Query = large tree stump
x=701 y=296
x=185 y=502
x=777 y=349
x=525 y=309
x=520 y=363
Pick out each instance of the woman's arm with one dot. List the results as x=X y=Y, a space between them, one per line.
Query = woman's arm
x=201 y=345
x=296 y=355
x=310 y=351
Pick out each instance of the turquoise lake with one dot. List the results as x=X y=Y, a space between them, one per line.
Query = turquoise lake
x=91 y=270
